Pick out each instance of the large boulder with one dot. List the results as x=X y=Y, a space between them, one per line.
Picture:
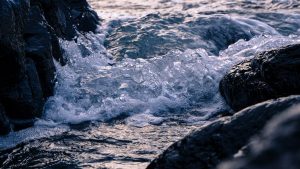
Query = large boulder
x=19 y=88
x=221 y=139
x=28 y=43
x=277 y=147
x=271 y=74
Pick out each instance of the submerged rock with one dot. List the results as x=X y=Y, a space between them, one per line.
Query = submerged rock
x=207 y=147
x=276 y=148
x=28 y=44
x=271 y=74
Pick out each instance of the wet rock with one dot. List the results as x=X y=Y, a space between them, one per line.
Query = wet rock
x=4 y=122
x=16 y=90
x=28 y=43
x=276 y=148
x=84 y=18
x=242 y=86
x=24 y=100
x=268 y=75
x=208 y=146
x=11 y=42
x=67 y=17
x=39 y=49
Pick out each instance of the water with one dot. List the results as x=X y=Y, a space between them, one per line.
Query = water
x=147 y=78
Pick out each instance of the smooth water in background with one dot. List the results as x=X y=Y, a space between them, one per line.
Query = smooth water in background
x=146 y=79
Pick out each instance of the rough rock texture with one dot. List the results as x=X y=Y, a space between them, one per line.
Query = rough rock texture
x=67 y=17
x=219 y=140
x=28 y=44
x=4 y=122
x=268 y=75
x=277 y=148
x=39 y=49
x=17 y=72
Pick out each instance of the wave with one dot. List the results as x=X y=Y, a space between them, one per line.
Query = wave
x=180 y=85
x=97 y=88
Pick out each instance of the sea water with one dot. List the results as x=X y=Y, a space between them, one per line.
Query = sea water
x=145 y=79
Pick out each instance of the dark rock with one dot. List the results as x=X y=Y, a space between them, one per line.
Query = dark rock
x=57 y=51
x=28 y=43
x=67 y=17
x=20 y=88
x=84 y=18
x=242 y=86
x=271 y=74
x=39 y=49
x=24 y=100
x=11 y=43
x=57 y=15
x=16 y=93
x=277 y=147
x=11 y=61
x=4 y=122
x=219 y=140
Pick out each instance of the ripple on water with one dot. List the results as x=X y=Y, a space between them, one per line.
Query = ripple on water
x=135 y=8
x=156 y=35
x=95 y=146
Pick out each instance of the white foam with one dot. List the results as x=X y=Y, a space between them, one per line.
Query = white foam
x=43 y=129
x=89 y=88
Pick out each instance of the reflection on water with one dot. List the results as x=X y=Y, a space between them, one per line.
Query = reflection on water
x=96 y=146
x=109 y=9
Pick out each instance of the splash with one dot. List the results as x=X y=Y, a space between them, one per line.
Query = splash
x=183 y=83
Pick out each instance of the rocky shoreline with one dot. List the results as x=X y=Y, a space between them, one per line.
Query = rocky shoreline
x=28 y=44
x=269 y=75
x=263 y=92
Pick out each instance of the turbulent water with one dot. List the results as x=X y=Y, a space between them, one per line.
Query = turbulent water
x=147 y=78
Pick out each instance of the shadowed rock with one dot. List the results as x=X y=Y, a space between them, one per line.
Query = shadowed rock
x=67 y=17
x=28 y=44
x=219 y=140
x=277 y=147
x=271 y=74
x=20 y=92
x=4 y=122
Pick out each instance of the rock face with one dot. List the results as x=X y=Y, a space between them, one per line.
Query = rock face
x=277 y=147
x=4 y=123
x=221 y=139
x=28 y=44
x=66 y=17
x=268 y=75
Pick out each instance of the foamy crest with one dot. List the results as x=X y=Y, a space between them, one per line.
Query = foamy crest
x=95 y=88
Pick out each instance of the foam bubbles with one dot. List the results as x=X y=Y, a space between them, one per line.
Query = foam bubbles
x=147 y=91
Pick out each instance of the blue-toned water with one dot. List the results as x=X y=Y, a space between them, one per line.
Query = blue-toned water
x=147 y=78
